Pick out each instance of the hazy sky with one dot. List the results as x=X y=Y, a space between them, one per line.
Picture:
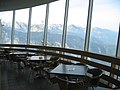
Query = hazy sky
x=106 y=13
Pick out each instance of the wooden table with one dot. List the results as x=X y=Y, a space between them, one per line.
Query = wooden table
x=77 y=70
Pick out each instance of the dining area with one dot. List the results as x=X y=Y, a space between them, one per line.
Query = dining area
x=64 y=76
x=54 y=68
x=69 y=75
x=74 y=77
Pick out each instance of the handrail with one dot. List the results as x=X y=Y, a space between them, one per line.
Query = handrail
x=68 y=54
x=105 y=58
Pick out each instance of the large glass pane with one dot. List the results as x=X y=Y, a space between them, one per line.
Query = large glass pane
x=5 y=27
x=37 y=25
x=105 y=26
x=55 y=23
x=21 y=26
x=77 y=18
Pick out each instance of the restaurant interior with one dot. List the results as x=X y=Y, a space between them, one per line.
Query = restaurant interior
x=48 y=67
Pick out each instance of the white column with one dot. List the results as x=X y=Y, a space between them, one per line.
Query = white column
x=46 y=26
x=65 y=24
x=29 y=26
x=88 y=27
x=13 y=28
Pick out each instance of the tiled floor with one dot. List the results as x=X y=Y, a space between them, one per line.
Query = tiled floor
x=11 y=79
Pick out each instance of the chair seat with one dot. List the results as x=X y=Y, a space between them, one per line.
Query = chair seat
x=95 y=71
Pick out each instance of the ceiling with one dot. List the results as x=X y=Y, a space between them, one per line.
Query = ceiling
x=6 y=5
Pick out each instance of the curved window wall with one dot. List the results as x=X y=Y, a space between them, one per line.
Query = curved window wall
x=104 y=28
x=104 y=31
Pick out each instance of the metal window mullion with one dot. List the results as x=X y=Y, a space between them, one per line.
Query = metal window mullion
x=65 y=24
x=13 y=28
x=117 y=50
x=29 y=26
x=46 y=26
x=1 y=33
x=118 y=44
x=88 y=27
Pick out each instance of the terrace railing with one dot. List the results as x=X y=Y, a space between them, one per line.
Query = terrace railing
x=89 y=58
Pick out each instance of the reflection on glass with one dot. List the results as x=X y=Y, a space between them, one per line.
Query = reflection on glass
x=6 y=27
x=21 y=26
x=77 y=17
x=55 y=23
x=37 y=25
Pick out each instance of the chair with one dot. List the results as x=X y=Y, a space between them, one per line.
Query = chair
x=76 y=85
x=49 y=65
x=54 y=58
x=95 y=71
x=65 y=84
x=36 y=69
x=52 y=62
x=94 y=80
x=61 y=82
x=80 y=64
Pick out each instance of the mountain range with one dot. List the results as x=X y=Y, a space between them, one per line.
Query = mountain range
x=102 y=40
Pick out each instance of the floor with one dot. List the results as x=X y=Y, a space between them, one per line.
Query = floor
x=13 y=79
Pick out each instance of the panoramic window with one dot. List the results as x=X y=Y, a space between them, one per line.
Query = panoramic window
x=37 y=25
x=77 y=18
x=105 y=26
x=55 y=23
x=5 y=27
x=21 y=26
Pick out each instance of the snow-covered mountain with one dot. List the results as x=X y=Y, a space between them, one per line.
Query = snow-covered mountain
x=101 y=41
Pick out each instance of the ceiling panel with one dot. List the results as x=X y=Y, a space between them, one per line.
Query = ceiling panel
x=20 y=4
